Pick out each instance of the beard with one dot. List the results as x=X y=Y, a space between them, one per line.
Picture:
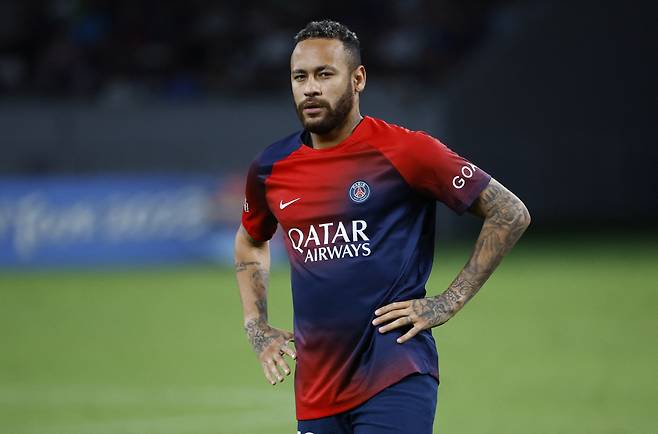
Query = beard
x=334 y=118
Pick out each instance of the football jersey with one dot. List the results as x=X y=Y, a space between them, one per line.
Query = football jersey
x=358 y=220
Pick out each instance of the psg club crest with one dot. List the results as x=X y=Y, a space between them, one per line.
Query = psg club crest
x=359 y=191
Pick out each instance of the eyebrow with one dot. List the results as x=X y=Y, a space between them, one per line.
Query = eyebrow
x=319 y=68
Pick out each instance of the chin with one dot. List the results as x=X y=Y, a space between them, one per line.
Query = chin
x=315 y=119
x=311 y=124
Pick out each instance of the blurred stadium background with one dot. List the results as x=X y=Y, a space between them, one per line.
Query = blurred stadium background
x=126 y=128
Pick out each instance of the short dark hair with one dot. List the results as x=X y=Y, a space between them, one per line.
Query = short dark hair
x=327 y=29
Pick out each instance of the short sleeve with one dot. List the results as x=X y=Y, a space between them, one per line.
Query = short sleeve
x=432 y=168
x=257 y=218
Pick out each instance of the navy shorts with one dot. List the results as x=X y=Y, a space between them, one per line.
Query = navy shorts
x=402 y=408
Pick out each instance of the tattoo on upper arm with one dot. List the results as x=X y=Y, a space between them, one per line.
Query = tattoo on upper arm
x=506 y=218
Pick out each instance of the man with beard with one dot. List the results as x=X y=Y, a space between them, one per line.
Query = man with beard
x=355 y=197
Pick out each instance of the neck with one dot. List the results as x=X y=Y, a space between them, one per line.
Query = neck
x=338 y=134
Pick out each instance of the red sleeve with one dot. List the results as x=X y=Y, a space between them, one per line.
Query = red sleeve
x=432 y=168
x=257 y=218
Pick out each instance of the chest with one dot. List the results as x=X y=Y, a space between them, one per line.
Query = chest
x=333 y=187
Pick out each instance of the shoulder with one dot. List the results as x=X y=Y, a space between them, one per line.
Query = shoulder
x=276 y=151
x=391 y=135
x=398 y=142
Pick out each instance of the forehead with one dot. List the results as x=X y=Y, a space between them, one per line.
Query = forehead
x=311 y=53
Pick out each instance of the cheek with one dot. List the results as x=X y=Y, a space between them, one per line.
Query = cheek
x=297 y=94
x=335 y=92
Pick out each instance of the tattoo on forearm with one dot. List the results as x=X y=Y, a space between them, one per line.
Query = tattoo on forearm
x=259 y=280
x=463 y=286
x=261 y=305
x=259 y=333
x=241 y=266
x=507 y=219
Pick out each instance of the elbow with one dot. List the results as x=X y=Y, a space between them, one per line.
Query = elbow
x=524 y=218
x=242 y=238
x=242 y=241
x=513 y=218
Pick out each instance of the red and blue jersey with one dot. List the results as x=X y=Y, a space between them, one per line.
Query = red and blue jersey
x=358 y=222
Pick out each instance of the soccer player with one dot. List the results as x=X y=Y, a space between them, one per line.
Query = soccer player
x=355 y=198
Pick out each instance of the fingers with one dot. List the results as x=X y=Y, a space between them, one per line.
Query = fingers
x=398 y=315
x=274 y=364
x=410 y=334
x=285 y=349
x=275 y=375
x=400 y=322
x=268 y=374
x=390 y=316
x=393 y=306
x=281 y=365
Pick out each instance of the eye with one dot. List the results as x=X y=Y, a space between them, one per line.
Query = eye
x=325 y=74
x=298 y=77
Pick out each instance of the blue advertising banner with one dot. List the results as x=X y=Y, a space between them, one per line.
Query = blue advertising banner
x=118 y=219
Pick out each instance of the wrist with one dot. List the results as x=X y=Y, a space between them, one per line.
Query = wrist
x=445 y=306
x=255 y=322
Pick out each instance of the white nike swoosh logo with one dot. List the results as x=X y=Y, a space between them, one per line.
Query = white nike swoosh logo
x=283 y=205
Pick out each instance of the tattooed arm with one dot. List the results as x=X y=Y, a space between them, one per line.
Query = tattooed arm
x=505 y=220
x=252 y=268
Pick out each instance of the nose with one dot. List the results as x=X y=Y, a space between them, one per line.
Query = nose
x=312 y=88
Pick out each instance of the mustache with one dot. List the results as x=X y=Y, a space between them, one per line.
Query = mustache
x=312 y=103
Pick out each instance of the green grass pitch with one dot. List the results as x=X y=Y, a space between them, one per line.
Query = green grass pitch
x=562 y=339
